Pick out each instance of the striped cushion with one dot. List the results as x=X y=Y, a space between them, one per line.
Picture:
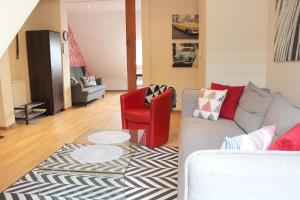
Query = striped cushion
x=257 y=140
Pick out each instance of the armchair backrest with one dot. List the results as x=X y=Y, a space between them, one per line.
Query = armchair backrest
x=164 y=99
x=77 y=72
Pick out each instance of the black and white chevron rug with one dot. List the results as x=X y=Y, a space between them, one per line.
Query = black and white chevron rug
x=151 y=175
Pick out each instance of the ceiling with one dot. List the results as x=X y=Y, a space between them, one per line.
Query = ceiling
x=96 y=5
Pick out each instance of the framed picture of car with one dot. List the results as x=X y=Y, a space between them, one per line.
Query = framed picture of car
x=185 y=54
x=185 y=27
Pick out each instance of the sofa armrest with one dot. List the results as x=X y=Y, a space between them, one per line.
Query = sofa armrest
x=77 y=87
x=242 y=175
x=189 y=102
x=99 y=80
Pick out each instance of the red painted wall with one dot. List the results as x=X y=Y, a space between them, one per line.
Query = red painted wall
x=76 y=59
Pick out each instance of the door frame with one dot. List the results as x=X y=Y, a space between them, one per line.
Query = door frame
x=131 y=43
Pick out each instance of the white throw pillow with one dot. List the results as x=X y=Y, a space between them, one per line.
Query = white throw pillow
x=210 y=103
x=257 y=140
x=89 y=81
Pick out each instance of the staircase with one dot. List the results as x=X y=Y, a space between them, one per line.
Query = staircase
x=13 y=14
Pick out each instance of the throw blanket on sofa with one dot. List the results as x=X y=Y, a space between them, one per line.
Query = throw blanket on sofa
x=154 y=90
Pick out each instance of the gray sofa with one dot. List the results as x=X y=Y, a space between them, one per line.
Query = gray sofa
x=207 y=173
x=81 y=94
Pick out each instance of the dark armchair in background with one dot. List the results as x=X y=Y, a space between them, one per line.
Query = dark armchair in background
x=81 y=94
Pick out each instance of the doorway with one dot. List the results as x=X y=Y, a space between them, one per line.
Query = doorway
x=108 y=34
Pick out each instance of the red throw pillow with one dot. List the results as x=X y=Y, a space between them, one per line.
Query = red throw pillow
x=231 y=101
x=289 y=141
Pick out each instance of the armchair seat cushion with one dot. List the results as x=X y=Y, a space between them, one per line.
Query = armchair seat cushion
x=93 y=89
x=141 y=115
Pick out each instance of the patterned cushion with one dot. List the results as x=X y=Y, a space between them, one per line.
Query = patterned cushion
x=257 y=140
x=154 y=91
x=163 y=88
x=73 y=81
x=89 y=81
x=252 y=108
x=210 y=103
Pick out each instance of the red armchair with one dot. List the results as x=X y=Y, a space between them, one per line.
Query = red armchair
x=155 y=119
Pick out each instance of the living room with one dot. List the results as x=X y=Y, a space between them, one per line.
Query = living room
x=235 y=48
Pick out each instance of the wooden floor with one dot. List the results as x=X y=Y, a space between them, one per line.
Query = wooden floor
x=24 y=147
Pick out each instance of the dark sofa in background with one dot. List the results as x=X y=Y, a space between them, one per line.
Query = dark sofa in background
x=81 y=94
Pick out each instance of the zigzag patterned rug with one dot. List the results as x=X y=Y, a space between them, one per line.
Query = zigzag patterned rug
x=151 y=175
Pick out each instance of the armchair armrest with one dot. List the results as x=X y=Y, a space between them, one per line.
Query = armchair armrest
x=133 y=99
x=160 y=114
x=99 y=80
x=189 y=102
x=243 y=175
x=162 y=103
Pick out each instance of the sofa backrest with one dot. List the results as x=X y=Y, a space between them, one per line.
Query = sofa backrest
x=284 y=113
x=259 y=107
x=189 y=102
x=77 y=72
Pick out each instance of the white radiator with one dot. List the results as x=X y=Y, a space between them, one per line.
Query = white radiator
x=19 y=92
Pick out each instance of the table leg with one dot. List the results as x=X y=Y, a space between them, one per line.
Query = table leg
x=26 y=115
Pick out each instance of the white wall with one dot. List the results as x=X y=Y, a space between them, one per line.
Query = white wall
x=101 y=37
x=40 y=20
x=65 y=59
x=13 y=14
x=282 y=77
x=236 y=41
x=7 y=117
x=157 y=45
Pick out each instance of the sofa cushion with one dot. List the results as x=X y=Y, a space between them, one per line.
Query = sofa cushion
x=88 y=81
x=210 y=103
x=289 y=141
x=231 y=101
x=200 y=134
x=284 y=113
x=73 y=81
x=252 y=108
x=257 y=140
x=141 y=115
x=93 y=89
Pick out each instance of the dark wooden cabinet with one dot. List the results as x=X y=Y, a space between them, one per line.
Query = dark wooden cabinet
x=45 y=69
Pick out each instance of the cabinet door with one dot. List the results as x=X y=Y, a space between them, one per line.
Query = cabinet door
x=38 y=52
x=56 y=71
